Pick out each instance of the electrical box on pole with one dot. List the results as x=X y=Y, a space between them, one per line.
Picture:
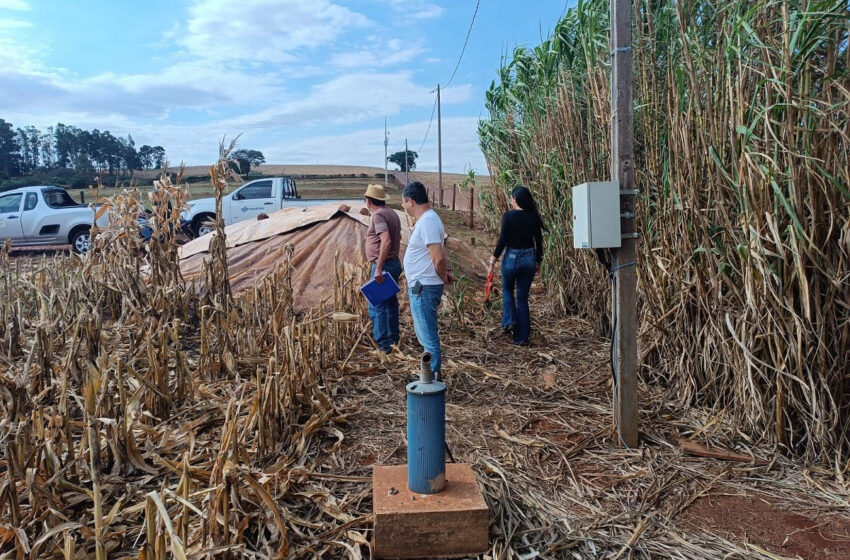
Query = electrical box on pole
x=604 y=218
x=596 y=215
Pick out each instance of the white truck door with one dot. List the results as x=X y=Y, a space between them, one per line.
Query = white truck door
x=10 y=218
x=253 y=199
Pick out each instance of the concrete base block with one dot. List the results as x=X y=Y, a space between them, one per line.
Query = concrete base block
x=450 y=524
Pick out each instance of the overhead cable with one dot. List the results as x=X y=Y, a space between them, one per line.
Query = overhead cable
x=468 y=33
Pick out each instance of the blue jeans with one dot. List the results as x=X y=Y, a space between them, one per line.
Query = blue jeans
x=424 y=307
x=518 y=269
x=385 y=315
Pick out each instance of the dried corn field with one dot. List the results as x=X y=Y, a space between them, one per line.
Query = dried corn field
x=741 y=145
x=143 y=419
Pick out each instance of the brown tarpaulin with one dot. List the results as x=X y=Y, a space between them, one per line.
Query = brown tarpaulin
x=317 y=234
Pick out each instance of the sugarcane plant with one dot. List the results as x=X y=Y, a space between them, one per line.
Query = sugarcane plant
x=741 y=157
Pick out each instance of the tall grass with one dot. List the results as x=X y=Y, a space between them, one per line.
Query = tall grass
x=741 y=138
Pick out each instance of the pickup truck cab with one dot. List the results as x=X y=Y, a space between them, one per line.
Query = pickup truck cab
x=46 y=215
x=261 y=196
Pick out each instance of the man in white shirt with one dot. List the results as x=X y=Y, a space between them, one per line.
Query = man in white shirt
x=426 y=269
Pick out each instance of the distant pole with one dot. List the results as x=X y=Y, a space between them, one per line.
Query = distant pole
x=471 y=207
x=439 y=145
x=406 y=165
x=386 y=143
x=622 y=170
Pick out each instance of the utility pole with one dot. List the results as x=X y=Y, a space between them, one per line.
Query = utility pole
x=386 y=143
x=623 y=262
x=439 y=144
x=406 y=165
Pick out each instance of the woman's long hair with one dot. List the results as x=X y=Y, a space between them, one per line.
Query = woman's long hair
x=525 y=201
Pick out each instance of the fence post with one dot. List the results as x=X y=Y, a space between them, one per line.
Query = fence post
x=454 y=196
x=471 y=208
x=82 y=197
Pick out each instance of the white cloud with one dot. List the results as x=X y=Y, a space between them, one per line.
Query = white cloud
x=415 y=9
x=365 y=147
x=242 y=69
x=429 y=11
x=14 y=5
x=183 y=85
x=378 y=53
x=265 y=30
x=349 y=98
x=7 y=24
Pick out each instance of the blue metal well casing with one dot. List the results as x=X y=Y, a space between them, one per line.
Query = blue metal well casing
x=426 y=437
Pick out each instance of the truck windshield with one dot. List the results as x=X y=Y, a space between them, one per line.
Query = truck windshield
x=57 y=198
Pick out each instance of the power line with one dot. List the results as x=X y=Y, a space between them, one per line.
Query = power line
x=429 y=127
x=459 y=59
x=468 y=33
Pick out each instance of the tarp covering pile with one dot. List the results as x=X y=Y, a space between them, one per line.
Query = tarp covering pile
x=318 y=234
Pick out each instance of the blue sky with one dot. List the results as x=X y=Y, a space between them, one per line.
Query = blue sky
x=304 y=81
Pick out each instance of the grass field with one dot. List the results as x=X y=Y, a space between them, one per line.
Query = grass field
x=307 y=188
x=372 y=174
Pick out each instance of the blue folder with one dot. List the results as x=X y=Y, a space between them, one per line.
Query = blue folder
x=379 y=293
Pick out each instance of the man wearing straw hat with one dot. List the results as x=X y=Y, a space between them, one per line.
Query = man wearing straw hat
x=383 y=241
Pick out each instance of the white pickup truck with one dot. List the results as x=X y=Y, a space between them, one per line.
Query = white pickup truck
x=261 y=196
x=45 y=215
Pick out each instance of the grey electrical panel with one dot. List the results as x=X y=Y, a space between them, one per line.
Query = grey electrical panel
x=596 y=215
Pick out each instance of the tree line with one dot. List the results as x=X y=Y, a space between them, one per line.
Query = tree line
x=28 y=151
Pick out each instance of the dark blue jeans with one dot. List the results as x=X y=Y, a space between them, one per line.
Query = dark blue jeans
x=425 y=309
x=385 y=315
x=518 y=269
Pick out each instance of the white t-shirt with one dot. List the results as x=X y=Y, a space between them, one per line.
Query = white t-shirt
x=418 y=264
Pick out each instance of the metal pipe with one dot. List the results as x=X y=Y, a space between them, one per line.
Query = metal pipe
x=425 y=374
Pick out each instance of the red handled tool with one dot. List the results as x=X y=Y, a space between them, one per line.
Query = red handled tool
x=488 y=289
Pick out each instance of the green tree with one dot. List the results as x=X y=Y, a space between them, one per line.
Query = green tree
x=83 y=165
x=157 y=157
x=68 y=144
x=151 y=157
x=404 y=157
x=246 y=159
x=10 y=156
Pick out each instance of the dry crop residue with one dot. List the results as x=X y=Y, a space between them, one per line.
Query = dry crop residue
x=142 y=416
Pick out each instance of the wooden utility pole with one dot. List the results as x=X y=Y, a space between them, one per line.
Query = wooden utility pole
x=386 y=144
x=622 y=170
x=439 y=145
x=471 y=207
x=406 y=165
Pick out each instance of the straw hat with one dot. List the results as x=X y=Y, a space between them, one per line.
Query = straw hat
x=377 y=192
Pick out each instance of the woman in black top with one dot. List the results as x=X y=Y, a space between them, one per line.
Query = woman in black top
x=522 y=239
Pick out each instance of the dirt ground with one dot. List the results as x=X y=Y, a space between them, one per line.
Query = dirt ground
x=769 y=524
x=535 y=423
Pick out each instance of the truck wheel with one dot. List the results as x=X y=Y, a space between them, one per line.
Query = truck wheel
x=202 y=226
x=80 y=240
